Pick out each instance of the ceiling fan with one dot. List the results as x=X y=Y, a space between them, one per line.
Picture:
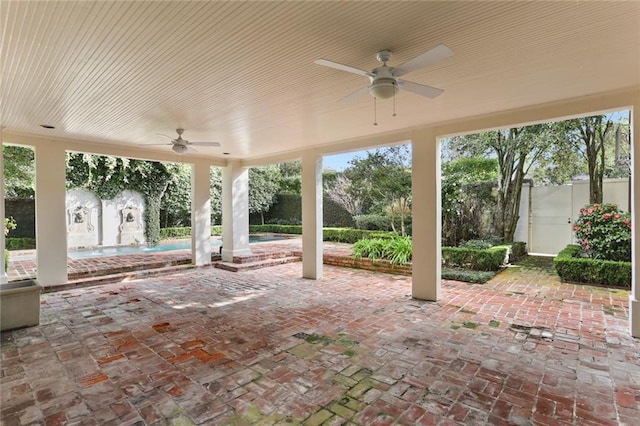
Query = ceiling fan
x=179 y=145
x=384 y=82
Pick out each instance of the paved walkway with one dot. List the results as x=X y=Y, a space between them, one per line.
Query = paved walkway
x=212 y=347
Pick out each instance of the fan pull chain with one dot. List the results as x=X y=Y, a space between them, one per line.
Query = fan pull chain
x=375 y=111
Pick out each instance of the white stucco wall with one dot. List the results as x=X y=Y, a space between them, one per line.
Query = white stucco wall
x=113 y=220
x=83 y=218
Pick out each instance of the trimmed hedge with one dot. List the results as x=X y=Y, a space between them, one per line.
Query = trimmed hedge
x=476 y=277
x=571 y=267
x=185 y=232
x=276 y=229
x=490 y=259
x=20 y=243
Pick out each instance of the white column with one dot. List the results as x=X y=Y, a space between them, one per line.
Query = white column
x=3 y=274
x=235 y=211
x=51 y=222
x=312 y=216
x=426 y=213
x=634 y=297
x=200 y=214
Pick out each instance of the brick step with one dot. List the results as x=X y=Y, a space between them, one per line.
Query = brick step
x=239 y=267
x=258 y=257
x=119 y=277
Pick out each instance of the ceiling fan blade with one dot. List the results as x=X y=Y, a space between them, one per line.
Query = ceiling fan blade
x=361 y=91
x=162 y=134
x=420 y=89
x=205 y=143
x=342 y=67
x=431 y=57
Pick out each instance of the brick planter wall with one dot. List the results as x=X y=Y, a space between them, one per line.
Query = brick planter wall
x=367 y=264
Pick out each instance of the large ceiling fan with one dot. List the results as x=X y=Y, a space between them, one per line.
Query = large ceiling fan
x=384 y=82
x=179 y=145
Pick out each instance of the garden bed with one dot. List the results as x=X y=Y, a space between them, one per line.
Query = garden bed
x=573 y=268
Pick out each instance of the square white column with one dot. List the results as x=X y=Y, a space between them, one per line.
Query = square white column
x=634 y=297
x=426 y=213
x=200 y=214
x=312 y=216
x=235 y=211
x=51 y=221
x=3 y=274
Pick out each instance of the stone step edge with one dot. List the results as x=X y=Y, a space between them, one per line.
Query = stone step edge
x=258 y=257
x=120 y=277
x=239 y=267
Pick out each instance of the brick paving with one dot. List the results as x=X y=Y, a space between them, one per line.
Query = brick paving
x=207 y=346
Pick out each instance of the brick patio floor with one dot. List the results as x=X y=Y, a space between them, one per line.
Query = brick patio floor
x=208 y=346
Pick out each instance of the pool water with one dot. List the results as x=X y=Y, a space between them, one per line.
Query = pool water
x=158 y=248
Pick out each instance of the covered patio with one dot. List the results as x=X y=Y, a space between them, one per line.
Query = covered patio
x=207 y=346
x=267 y=347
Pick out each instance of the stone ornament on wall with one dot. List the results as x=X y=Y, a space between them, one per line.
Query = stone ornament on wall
x=131 y=231
x=79 y=221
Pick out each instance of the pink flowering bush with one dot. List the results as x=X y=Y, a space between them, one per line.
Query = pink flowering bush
x=604 y=232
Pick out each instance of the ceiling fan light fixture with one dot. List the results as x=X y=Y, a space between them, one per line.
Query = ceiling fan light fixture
x=384 y=89
x=179 y=149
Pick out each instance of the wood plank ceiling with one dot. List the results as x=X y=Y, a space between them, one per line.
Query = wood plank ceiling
x=243 y=73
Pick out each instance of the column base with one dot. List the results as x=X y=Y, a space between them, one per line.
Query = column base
x=228 y=255
x=634 y=316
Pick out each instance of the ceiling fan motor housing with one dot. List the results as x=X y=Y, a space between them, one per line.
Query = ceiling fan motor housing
x=384 y=85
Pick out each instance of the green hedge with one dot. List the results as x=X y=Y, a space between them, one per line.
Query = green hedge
x=339 y=235
x=573 y=268
x=276 y=229
x=477 y=277
x=185 y=232
x=20 y=243
x=490 y=259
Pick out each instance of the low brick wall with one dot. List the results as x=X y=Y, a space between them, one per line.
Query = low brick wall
x=367 y=264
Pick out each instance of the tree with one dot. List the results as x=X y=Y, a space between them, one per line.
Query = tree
x=588 y=135
x=175 y=206
x=215 y=179
x=264 y=183
x=342 y=193
x=516 y=150
x=383 y=178
x=19 y=171
x=468 y=201
x=290 y=177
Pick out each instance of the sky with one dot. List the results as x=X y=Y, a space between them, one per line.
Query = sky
x=339 y=162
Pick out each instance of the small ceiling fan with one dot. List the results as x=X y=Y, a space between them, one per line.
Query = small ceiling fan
x=384 y=82
x=179 y=145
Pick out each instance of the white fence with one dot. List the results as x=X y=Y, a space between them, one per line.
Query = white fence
x=547 y=213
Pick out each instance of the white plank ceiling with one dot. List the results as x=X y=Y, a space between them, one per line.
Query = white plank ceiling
x=243 y=73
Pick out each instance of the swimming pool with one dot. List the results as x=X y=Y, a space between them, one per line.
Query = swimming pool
x=157 y=248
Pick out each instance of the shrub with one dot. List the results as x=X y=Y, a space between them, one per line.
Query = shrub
x=571 y=267
x=518 y=251
x=478 y=277
x=6 y=260
x=20 y=243
x=292 y=221
x=397 y=250
x=477 y=244
x=490 y=259
x=372 y=222
x=604 y=232
x=175 y=232
x=276 y=229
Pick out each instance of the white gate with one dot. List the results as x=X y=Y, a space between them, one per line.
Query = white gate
x=550 y=219
x=554 y=209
